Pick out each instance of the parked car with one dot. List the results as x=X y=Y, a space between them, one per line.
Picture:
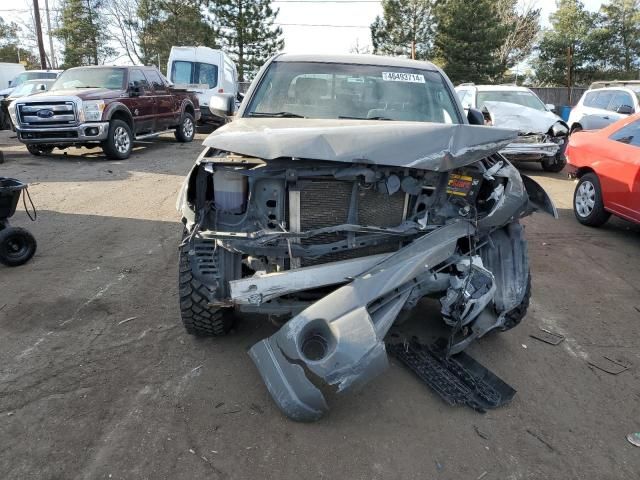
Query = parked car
x=29 y=87
x=29 y=75
x=8 y=72
x=605 y=103
x=542 y=133
x=205 y=71
x=108 y=107
x=607 y=165
x=345 y=189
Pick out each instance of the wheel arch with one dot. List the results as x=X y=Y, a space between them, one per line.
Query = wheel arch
x=120 y=112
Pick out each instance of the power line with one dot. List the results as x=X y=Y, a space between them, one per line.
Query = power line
x=319 y=25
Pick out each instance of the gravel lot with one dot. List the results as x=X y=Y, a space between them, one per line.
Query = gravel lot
x=99 y=380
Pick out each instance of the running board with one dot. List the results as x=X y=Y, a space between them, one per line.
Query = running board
x=458 y=379
x=152 y=135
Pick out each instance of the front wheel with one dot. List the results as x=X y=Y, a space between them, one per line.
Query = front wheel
x=198 y=317
x=187 y=129
x=17 y=246
x=555 y=164
x=119 y=140
x=588 y=205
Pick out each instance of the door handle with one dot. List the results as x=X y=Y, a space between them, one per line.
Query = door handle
x=605 y=118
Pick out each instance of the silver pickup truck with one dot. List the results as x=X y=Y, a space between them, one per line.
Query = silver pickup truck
x=345 y=190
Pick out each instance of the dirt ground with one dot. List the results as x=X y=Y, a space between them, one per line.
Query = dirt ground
x=99 y=381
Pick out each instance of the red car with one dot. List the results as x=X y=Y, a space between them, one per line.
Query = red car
x=607 y=165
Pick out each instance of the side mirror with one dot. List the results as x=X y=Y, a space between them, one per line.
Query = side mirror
x=222 y=104
x=624 y=110
x=475 y=117
x=551 y=107
x=10 y=81
x=135 y=90
x=42 y=87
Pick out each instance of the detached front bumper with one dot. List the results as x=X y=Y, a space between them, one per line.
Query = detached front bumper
x=83 y=133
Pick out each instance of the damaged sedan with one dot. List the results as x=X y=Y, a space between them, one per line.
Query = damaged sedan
x=346 y=189
x=542 y=135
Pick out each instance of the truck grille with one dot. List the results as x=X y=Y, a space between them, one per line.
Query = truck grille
x=47 y=113
x=326 y=203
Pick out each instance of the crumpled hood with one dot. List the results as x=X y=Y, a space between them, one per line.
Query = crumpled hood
x=430 y=146
x=524 y=119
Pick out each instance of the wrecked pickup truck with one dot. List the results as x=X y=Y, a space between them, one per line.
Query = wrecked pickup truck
x=346 y=189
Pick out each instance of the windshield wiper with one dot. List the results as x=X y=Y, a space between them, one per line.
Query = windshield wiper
x=276 y=114
x=364 y=118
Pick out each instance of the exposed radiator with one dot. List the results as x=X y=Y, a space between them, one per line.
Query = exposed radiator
x=325 y=203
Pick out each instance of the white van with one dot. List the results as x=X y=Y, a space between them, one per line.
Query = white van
x=205 y=71
x=8 y=72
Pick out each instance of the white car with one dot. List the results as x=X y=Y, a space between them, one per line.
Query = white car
x=542 y=134
x=605 y=103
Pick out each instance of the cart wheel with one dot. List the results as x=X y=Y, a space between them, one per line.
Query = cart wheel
x=17 y=246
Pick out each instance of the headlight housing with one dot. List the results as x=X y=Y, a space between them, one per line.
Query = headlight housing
x=92 y=111
x=12 y=112
x=559 y=130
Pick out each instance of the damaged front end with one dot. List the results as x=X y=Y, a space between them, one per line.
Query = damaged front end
x=337 y=228
x=541 y=135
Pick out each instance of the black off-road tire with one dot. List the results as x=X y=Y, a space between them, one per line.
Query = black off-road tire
x=515 y=316
x=187 y=129
x=554 y=164
x=39 y=150
x=119 y=142
x=198 y=317
x=17 y=246
x=598 y=216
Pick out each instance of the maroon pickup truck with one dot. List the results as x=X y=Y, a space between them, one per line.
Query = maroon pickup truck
x=108 y=107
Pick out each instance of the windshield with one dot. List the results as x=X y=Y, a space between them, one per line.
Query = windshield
x=519 y=97
x=24 y=76
x=331 y=90
x=111 y=78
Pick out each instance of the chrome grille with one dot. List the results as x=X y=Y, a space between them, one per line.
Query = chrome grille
x=47 y=113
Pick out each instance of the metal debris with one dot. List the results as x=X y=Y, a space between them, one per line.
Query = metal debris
x=548 y=336
x=609 y=365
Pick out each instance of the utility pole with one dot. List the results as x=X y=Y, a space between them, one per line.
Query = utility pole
x=570 y=72
x=51 y=52
x=36 y=16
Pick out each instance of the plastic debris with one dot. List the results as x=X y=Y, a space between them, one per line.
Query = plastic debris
x=634 y=439
x=126 y=320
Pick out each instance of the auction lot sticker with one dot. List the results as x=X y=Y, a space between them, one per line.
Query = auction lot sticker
x=402 y=77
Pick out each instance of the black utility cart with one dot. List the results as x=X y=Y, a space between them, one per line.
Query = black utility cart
x=17 y=245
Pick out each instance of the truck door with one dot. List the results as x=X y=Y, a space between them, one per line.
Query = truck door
x=165 y=114
x=141 y=102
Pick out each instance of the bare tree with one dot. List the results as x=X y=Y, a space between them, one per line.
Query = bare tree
x=523 y=21
x=360 y=49
x=124 y=26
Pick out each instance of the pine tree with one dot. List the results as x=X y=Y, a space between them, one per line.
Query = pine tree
x=82 y=34
x=166 y=23
x=569 y=47
x=248 y=32
x=468 y=39
x=405 y=28
x=620 y=33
